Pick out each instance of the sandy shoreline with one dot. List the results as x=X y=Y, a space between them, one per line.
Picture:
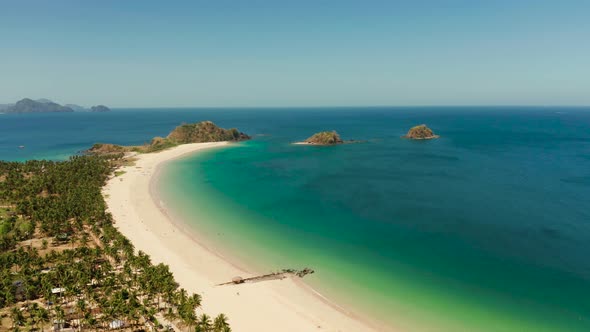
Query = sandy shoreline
x=278 y=305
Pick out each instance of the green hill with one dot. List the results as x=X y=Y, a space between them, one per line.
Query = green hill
x=205 y=131
x=200 y=132
x=421 y=132
x=325 y=138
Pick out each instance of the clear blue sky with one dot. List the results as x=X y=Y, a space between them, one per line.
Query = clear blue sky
x=296 y=53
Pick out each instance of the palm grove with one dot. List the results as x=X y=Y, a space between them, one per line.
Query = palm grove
x=63 y=264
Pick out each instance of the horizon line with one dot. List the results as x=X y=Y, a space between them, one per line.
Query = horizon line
x=335 y=106
x=350 y=106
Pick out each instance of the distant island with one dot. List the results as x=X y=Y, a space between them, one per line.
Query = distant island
x=200 y=132
x=99 y=108
x=42 y=105
x=4 y=107
x=33 y=106
x=76 y=108
x=420 y=132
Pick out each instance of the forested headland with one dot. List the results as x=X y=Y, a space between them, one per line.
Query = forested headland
x=199 y=132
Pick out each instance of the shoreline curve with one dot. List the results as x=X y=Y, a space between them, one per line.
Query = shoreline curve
x=285 y=305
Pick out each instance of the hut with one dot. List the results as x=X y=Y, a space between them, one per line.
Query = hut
x=116 y=324
x=57 y=290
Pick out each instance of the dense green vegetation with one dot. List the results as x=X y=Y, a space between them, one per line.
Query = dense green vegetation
x=325 y=138
x=420 y=132
x=157 y=144
x=200 y=132
x=106 y=149
x=62 y=261
x=205 y=131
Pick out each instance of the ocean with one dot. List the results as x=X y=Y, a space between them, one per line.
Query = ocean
x=484 y=229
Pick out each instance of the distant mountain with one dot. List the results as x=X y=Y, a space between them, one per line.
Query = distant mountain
x=76 y=108
x=44 y=105
x=4 y=107
x=32 y=106
x=99 y=108
x=205 y=131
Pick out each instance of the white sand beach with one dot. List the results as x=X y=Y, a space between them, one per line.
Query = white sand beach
x=276 y=305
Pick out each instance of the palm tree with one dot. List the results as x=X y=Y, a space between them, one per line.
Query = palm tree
x=17 y=317
x=220 y=324
x=84 y=240
x=195 y=300
x=32 y=310
x=59 y=313
x=56 y=198
x=9 y=298
x=81 y=308
x=190 y=319
x=205 y=323
x=42 y=316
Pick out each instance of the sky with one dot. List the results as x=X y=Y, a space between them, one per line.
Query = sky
x=296 y=53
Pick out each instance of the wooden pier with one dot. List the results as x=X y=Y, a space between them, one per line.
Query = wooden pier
x=270 y=276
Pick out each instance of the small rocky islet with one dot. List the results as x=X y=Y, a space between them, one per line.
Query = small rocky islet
x=420 y=132
x=324 y=138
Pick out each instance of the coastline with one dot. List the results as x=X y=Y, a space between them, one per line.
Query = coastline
x=286 y=305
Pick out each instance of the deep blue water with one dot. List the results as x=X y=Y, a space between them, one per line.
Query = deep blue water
x=486 y=228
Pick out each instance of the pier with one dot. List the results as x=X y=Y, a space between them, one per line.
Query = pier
x=270 y=276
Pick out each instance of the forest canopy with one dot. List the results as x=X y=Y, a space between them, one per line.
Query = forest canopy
x=62 y=260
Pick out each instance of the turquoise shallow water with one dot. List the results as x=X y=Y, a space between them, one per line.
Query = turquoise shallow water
x=485 y=229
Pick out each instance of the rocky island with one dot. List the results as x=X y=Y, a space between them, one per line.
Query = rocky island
x=421 y=132
x=200 y=132
x=99 y=108
x=323 y=138
x=326 y=138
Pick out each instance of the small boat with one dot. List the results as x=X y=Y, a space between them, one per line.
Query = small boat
x=21 y=146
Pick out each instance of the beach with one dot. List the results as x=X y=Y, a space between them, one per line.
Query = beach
x=272 y=305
